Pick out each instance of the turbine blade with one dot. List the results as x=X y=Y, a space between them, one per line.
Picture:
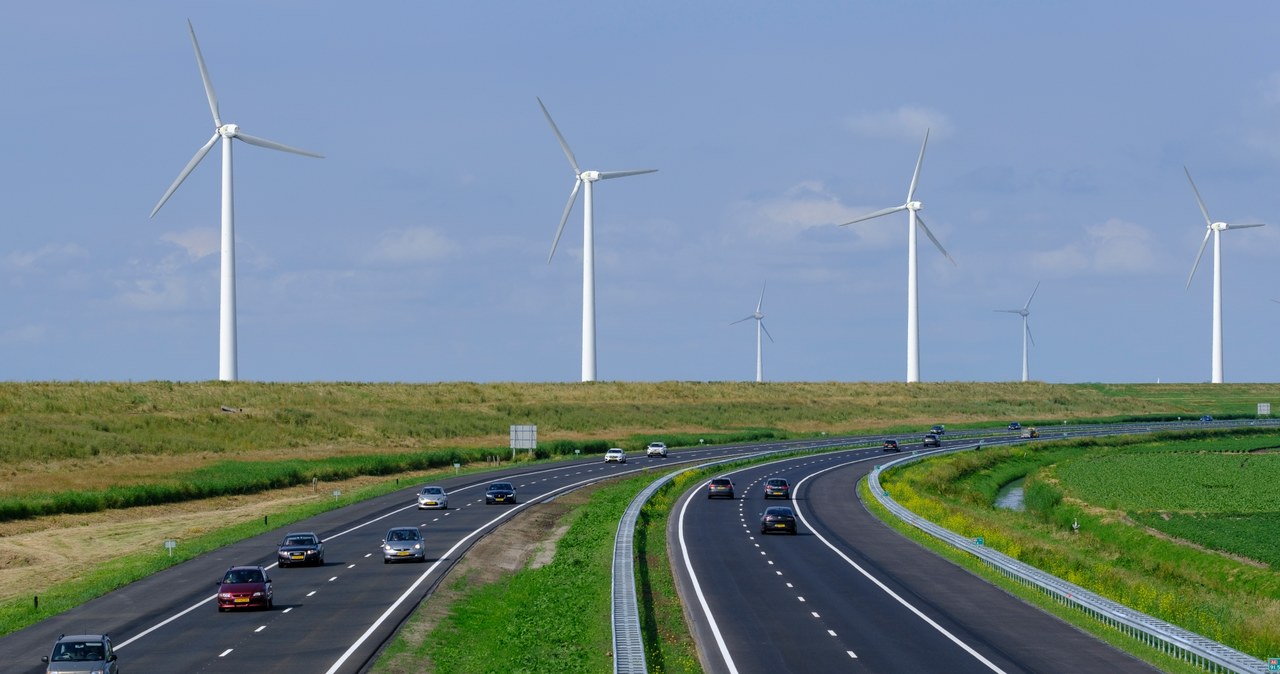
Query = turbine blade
x=743 y=319
x=766 y=330
x=272 y=145
x=934 y=239
x=1203 y=210
x=185 y=172
x=573 y=196
x=1246 y=226
x=1033 y=296
x=915 y=177
x=1033 y=339
x=1008 y=311
x=204 y=75
x=883 y=211
x=1207 y=233
x=760 y=303
x=605 y=175
x=563 y=144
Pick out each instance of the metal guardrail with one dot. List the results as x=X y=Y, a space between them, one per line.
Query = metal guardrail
x=1165 y=637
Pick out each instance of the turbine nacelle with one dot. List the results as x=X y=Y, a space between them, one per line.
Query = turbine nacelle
x=914 y=205
x=589 y=176
x=229 y=130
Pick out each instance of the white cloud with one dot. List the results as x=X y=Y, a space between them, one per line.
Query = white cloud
x=1115 y=247
x=803 y=207
x=197 y=243
x=906 y=123
x=51 y=255
x=418 y=244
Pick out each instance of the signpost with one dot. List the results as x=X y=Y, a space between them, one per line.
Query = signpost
x=170 y=544
x=1264 y=409
x=523 y=436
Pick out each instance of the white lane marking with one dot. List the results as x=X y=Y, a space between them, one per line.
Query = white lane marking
x=333 y=579
x=801 y=599
x=351 y=566
x=789 y=585
x=831 y=632
x=287 y=610
x=224 y=653
x=852 y=655
x=312 y=592
x=260 y=628
x=697 y=589
x=941 y=630
x=814 y=614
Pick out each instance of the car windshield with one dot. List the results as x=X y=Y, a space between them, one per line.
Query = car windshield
x=79 y=651
x=778 y=510
x=720 y=482
x=777 y=483
x=403 y=535
x=300 y=540
x=433 y=490
x=500 y=485
x=243 y=576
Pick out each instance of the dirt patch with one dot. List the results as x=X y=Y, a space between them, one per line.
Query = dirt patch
x=526 y=541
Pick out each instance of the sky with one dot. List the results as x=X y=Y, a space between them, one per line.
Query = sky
x=417 y=249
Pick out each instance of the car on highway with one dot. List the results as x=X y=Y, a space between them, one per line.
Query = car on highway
x=403 y=543
x=720 y=487
x=300 y=547
x=931 y=440
x=500 y=492
x=891 y=446
x=1206 y=418
x=778 y=519
x=1015 y=426
x=656 y=449
x=86 y=653
x=433 y=497
x=244 y=587
x=615 y=455
x=938 y=429
x=777 y=487
x=1029 y=433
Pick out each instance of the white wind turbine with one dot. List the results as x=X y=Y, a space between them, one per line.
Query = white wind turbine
x=1216 y=229
x=227 y=132
x=584 y=180
x=912 y=207
x=1025 y=311
x=759 y=316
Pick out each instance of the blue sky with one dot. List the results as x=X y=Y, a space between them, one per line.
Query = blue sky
x=416 y=251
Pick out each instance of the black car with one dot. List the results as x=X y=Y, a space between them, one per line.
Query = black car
x=938 y=429
x=777 y=487
x=300 y=547
x=891 y=446
x=720 y=486
x=1015 y=426
x=82 y=653
x=932 y=440
x=778 y=519
x=500 y=492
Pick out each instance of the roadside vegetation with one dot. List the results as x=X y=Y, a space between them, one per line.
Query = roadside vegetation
x=1181 y=527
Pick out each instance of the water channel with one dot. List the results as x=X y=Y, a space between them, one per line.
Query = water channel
x=1010 y=496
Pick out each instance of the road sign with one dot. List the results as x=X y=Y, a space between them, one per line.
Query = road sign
x=1264 y=409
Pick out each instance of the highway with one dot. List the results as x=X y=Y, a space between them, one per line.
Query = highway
x=847 y=593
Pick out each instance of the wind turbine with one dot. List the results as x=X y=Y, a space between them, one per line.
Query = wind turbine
x=1216 y=229
x=1026 y=329
x=759 y=316
x=583 y=180
x=227 y=132
x=912 y=207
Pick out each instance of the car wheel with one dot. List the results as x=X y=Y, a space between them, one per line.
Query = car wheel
x=385 y=560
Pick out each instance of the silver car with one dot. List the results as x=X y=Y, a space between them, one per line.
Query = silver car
x=433 y=497
x=404 y=543
x=82 y=653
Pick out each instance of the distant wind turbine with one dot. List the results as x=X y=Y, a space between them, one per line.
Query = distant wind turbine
x=1216 y=229
x=228 y=132
x=581 y=179
x=759 y=316
x=912 y=207
x=1024 y=312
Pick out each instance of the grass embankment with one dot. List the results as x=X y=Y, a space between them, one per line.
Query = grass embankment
x=1181 y=528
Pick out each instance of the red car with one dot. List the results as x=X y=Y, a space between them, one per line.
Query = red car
x=244 y=587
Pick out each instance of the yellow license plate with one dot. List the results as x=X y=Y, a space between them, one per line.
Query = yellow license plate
x=780 y=526
x=242 y=600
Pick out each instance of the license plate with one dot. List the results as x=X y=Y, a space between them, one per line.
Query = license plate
x=242 y=600
x=402 y=553
x=779 y=526
x=297 y=555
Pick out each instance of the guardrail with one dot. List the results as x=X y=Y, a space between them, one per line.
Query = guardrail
x=1166 y=637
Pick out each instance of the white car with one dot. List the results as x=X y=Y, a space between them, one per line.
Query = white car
x=433 y=497
x=656 y=449
x=615 y=455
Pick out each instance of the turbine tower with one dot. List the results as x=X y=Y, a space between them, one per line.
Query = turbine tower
x=759 y=316
x=583 y=180
x=912 y=207
x=1216 y=229
x=1026 y=329
x=227 y=132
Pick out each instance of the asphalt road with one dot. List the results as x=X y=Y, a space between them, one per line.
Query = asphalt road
x=847 y=593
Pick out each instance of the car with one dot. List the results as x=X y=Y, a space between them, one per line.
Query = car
x=244 y=587
x=656 y=449
x=778 y=519
x=1029 y=433
x=82 y=653
x=776 y=486
x=1015 y=426
x=938 y=429
x=615 y=455
x=300 y=547
x=720 y=486
x=433 y=497
x=403 y=543
x=500 y=492
x=1206 y=418
x=932 y=440
x=891 y=446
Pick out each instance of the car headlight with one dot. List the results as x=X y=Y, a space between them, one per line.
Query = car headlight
x=257 y=594
x=387 y=548
x=224 y=595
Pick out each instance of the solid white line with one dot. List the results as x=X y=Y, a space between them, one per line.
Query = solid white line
x=941 y=630
x=697 y=588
